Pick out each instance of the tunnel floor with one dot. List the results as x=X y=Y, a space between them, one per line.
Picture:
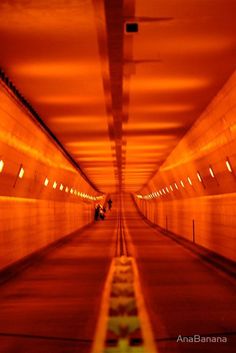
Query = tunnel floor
x=53 y=305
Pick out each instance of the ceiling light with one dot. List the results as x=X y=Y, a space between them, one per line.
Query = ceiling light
x=199 y=177
x=228 y=165
x=46 y=181
x=1 y=165
x=211 y=172
x=21 y=172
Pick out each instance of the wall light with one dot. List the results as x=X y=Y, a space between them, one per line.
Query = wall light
x=66 y=189
x=61 y=187
x=228 y=165
x=171 y=188
x=182 y=183
x=71 y=191
x=211 y=172
x=46 y=181
x=163 y=190
x=1 y=165
x=21 y=173
x=54 y=185
x=160 y=192
x=176 y=186
x=199 y=177
x=167 y=189
x=190 y=181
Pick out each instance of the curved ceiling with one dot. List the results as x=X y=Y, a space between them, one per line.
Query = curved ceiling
x=119 y=103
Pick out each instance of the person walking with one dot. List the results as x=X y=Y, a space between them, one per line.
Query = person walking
x=109 y=202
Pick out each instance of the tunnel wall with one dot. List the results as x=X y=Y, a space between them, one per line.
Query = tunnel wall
x=201 y=206
x=32 y=214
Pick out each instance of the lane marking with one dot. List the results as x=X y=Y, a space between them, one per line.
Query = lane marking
x=123 y=325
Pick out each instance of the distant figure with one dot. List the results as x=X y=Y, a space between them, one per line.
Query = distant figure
x=97 y=212
x=109 y=204
x=102 y=211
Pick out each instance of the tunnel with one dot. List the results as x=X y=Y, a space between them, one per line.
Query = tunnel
x=117 y=176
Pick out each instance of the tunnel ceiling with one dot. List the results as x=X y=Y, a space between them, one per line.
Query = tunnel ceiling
x=118 y=102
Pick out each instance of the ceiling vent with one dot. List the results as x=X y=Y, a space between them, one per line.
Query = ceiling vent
x=131 y=27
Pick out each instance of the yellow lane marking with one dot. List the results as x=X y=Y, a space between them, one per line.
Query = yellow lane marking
x=123 y=325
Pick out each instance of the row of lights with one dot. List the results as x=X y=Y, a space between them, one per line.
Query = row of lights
x=21 y=171
x=167 y=189
x=55 y=185
x=72 y=191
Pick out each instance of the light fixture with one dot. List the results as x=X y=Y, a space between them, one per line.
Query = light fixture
x=66 y=189
x=61 y=187
x=54 y=185
x=228 y=165
x=1 y=165
x=176 y=186
x=160 y=192
x=46 y=181
x=211 y=172
x=163 y=190
x=190 y=181
x=71 y=191
x=171 y=188
x=167 y=189
x=199 y=177
x=182 y=183
x=21 y=173
x=75 y=192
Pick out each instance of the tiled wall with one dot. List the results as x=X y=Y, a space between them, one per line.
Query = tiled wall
x=211 y=202
x=32 y=214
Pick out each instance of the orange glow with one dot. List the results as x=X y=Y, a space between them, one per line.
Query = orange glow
x=169 y=83
x=66 y=99
x=78 y=119
x=163 y=108
x=55 y=69
x=152 y=125
x=119 y=119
